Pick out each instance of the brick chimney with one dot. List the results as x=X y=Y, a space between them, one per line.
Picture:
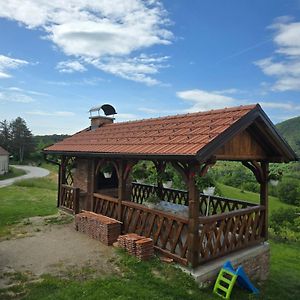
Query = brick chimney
x=98 y=121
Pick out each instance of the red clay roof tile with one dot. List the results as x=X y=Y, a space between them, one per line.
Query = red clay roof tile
x=172 y=135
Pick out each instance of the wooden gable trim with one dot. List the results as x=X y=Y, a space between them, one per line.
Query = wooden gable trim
x=242 y=146
x=285 y=152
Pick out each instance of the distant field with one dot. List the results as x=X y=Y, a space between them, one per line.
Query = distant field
x=235 y=193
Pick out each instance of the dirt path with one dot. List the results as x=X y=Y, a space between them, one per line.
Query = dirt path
x=55 y=249
x=31 y=172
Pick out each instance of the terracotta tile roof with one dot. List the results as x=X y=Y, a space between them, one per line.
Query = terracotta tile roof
x=3 y=151
x=173 y=135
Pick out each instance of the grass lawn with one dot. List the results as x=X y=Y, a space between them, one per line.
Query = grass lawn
x=27 y=198
x=154 y=280
x=235 y=193
x=137 y=280
x=12 y=172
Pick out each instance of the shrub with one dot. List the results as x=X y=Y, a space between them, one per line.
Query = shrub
x=285 y=224
x=289 y=191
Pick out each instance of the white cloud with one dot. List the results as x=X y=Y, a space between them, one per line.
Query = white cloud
x=17 y=89
x=6 y=96
x=137 y=69
x=280 y=105
x=51 y=114
x=70 y=66
x=284 y=64
x=7 y=63
x=99 y=31
x=203 y=100
x=19 y=95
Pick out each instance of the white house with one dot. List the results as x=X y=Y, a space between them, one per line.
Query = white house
x=4 y=157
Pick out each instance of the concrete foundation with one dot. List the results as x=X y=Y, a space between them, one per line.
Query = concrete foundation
x=255 y=261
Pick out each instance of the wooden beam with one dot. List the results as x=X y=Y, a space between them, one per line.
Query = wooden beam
x=91 y=184
x=62 y=178
x=160 y=168
x=264 y=199
x=122 y=166
x=193 y=225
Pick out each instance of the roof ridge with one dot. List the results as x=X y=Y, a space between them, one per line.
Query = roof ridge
x=233 y=108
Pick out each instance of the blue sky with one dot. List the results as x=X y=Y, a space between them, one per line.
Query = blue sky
x=147 y=58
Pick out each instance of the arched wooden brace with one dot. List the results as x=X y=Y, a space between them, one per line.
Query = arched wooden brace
x=123 y=171
x=261 y=173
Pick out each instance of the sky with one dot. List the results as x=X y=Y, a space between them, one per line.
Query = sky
x=147 y=58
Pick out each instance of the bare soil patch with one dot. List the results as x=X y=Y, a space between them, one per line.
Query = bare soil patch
x=46 y=245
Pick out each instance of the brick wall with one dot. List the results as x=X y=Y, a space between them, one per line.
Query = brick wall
x=257 y=267
x=81 y=174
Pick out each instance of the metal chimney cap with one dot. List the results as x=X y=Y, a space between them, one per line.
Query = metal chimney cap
x=107 y=109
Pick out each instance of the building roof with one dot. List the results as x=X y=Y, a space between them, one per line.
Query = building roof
x=179 y=135
x=3 y=151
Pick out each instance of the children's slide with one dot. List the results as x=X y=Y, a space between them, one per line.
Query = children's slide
x=227 y=278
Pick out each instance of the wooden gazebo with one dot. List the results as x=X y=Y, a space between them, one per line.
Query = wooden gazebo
x=192 y=143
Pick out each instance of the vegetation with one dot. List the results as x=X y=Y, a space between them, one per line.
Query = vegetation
x=206 y=181
x=285 y=224
x=289 y=191
x=141 y=171
x=27 y=198
x=12 y=172
x=154 y=280
x=290 y=130
x=16 y=138
x=153 y=198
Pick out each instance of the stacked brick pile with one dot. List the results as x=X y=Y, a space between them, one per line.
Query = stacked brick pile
x=98 y=227
x=137 y=245
x=144 y=249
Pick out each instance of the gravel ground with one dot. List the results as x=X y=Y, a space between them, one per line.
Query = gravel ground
x=42 y=247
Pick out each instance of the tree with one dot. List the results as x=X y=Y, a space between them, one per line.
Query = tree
x=5 y=135
x=21 y=139
x=289 y=191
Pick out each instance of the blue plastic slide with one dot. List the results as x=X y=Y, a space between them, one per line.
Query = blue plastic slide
x=242 y=279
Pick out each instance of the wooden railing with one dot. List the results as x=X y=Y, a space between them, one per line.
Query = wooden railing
x=208 y=204
x=140 y=192
x=227 y=232
x=169 y=232
x=231 y=226
x=105 y=205
x=69 y=198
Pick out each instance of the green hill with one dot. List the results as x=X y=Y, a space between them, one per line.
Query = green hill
x=290 y=130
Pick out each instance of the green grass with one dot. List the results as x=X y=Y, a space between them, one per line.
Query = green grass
x=137 y=280
x=26 y=198
x=235 y=193
x=154 y=280
x=284 y=279
x=12 y=172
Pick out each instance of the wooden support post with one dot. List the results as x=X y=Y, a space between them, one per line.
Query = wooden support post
x=264 y=197
x=62 y=179
x=121 y=187
x=76 y=200
x=91 y=184
x=160 y=167
x=193 y=225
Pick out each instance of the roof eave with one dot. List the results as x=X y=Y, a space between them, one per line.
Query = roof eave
x=182 y=157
